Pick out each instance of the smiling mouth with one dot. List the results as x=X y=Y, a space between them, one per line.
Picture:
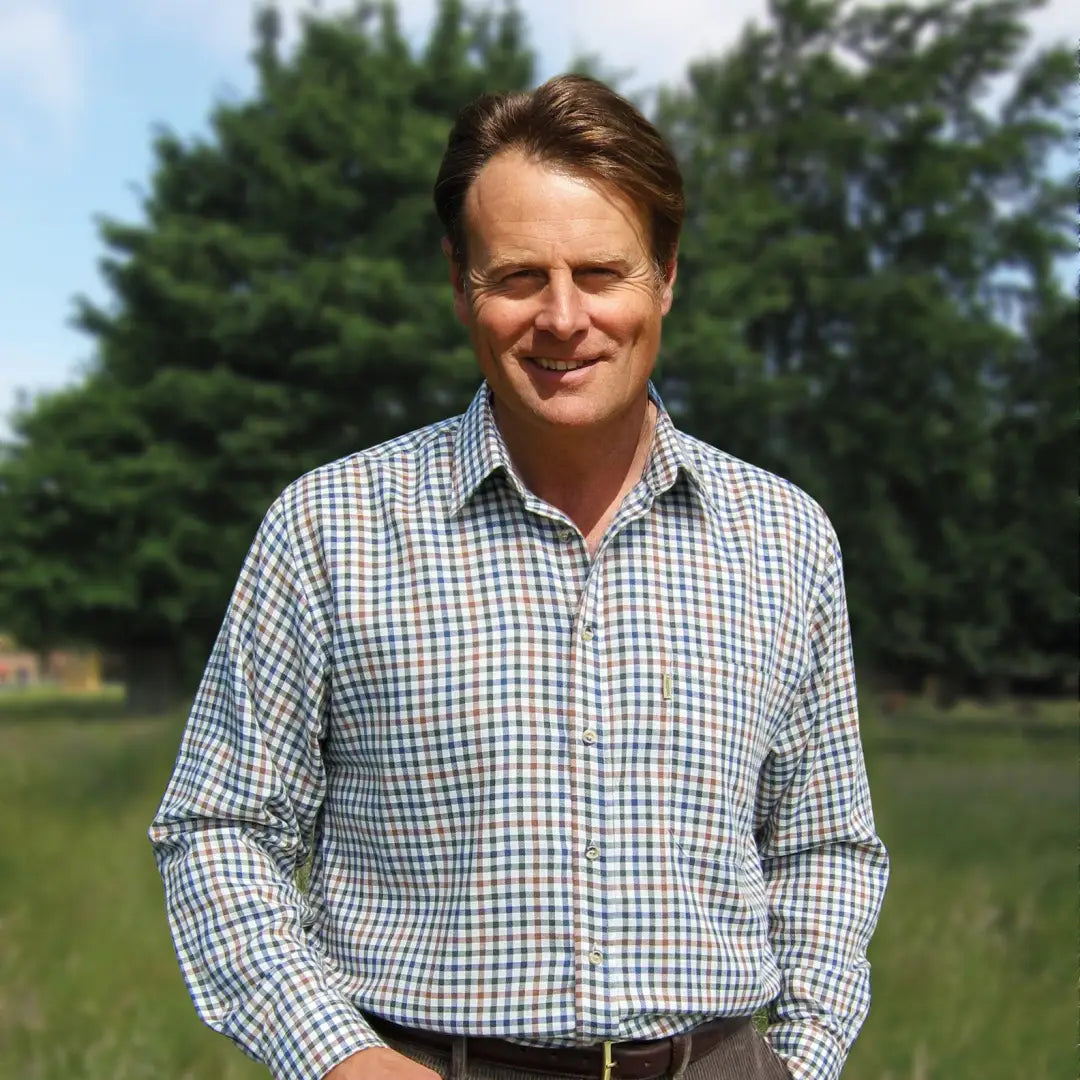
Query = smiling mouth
x=561 y=365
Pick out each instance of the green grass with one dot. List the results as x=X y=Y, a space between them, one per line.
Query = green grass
x=53 y=703
x=89 y=986
x=974 y=960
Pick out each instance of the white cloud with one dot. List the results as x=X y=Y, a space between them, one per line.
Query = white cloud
x=41 y=67
x=657 y=40
x=225 y=26
x=1057 y=21
x=653 y=41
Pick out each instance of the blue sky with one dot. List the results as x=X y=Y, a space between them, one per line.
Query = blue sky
x=84 y=83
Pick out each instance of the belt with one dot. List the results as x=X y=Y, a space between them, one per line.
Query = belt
x=644 y=1060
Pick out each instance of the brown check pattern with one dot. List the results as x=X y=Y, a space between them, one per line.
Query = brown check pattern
x=547 y=797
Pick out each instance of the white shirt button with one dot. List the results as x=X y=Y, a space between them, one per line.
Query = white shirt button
x=587 y=634
x=588 y=737
x=596 y=957
x=592 y=852
x=564 y=535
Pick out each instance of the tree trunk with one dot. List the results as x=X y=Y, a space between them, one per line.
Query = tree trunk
x=153 y=678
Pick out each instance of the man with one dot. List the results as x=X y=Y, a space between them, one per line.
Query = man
x=559 y=700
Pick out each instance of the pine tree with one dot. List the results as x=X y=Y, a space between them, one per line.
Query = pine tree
x=873 y=214
x=284 y=302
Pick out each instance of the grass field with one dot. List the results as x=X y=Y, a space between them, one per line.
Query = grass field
x=974 y=961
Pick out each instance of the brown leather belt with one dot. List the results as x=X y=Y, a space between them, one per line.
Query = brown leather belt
x=643 y=1060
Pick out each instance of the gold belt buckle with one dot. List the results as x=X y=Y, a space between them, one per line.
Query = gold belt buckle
x=609 y=1063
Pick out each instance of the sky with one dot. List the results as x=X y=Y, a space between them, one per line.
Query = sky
x=85 y=83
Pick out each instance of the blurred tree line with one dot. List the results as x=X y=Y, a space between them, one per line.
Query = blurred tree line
x=867 y=303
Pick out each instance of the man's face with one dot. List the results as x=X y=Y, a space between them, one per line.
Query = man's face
x=560 y=295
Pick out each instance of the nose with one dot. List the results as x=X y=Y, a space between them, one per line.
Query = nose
x=562 y=312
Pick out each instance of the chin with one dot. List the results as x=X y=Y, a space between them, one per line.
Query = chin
x=573 y=415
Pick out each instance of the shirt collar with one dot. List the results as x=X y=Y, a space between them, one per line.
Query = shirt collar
x=668 y=457
x=479 y=451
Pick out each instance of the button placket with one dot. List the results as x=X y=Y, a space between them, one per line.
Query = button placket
x=586 y=774
x=594 y=990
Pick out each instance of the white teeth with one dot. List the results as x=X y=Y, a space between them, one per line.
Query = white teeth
x=560 y=365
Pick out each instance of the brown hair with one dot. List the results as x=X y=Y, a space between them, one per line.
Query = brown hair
x=574 y=123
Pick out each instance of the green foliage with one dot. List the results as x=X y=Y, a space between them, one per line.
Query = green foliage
x=284 y=303
x=867 y=305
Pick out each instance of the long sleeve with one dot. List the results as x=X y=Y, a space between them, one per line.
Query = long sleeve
x=824 y=865
x=236 y=821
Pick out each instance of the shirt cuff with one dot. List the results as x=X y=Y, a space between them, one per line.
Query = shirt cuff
x=304 y=1029
x=808 y=1051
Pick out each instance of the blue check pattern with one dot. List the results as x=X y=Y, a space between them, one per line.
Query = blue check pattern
x=555 y=798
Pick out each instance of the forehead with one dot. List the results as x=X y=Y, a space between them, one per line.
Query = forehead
x=517 y=202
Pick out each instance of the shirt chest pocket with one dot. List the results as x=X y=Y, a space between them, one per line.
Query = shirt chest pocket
x=714 y=734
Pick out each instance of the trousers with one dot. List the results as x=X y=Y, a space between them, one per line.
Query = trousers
x=744 y=1055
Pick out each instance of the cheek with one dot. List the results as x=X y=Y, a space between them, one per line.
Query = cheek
x=627 y=322
x=501 y=323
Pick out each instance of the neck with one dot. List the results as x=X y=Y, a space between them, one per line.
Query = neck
x=586 y=475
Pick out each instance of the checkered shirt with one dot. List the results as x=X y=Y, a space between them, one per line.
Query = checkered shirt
x=550 y=797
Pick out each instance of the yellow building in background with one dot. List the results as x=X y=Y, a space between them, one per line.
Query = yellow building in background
x=74 y=670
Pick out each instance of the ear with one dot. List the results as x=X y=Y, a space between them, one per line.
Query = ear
x=457 y=281
x=667 y=289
